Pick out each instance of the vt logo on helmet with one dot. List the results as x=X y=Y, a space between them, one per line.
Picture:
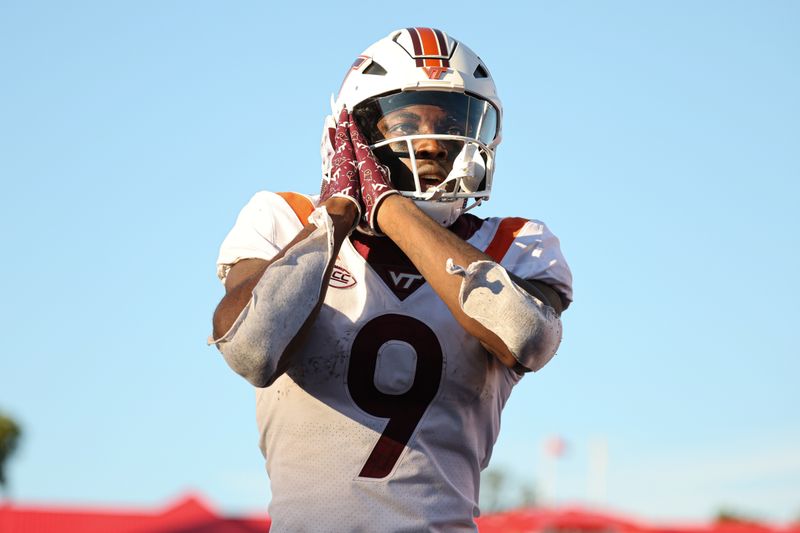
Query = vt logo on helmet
x=429 y=109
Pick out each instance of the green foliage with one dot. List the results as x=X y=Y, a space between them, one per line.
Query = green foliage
x=500 y=492
x=9 y=438
x=728 y=515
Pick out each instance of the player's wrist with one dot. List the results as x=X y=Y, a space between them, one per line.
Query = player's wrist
x=344 y=208
x=387 y=213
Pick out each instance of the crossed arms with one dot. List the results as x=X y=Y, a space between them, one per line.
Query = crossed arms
x=358 y=191
x=407 y=226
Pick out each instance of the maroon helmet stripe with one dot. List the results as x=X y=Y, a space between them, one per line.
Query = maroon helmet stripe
x=412 y=32
x=443 y=47
x=359 y=61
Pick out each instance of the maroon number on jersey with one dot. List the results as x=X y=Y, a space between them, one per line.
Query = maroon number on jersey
x=405 y=410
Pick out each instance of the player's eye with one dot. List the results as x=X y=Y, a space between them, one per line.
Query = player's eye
x=400 y=128
x=452 y=126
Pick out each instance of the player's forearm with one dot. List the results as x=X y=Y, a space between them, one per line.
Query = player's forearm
x=282 y=303
x=429 y=246
x=426 y=243
x=250 y=271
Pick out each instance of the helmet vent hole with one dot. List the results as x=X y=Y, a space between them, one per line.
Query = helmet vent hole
x=375 y=69
x=480 y=72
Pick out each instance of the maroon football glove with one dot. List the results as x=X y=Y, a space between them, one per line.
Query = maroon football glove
x=375 y=182
x=343 y=178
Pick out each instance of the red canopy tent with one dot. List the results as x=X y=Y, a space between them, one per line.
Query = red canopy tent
x=578 y=520
x=190 y=514
x=573 y=520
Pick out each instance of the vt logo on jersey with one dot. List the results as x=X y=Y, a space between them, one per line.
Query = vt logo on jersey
x=341 y=278
x=402 y=280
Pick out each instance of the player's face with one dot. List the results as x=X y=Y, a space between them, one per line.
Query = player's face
x=434 y=157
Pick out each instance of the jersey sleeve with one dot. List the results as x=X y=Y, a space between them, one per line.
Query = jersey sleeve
x=263 y=228
x=535 y=253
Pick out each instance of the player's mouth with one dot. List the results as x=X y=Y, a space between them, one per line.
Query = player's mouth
x=430 y=175
x=429 y=181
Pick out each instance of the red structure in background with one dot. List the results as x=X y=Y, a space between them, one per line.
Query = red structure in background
x=191 y=514
x=577 y=520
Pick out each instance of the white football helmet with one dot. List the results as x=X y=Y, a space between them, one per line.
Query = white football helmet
x=428 y=107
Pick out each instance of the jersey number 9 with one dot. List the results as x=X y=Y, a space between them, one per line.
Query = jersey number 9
x=405 y=410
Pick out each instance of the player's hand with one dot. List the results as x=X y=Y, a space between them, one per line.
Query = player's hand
x=376 y=184
x=343 y=179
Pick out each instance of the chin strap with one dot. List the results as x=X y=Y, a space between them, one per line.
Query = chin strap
x=469 y=169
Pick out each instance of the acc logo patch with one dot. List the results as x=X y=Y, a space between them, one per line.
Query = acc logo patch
x=341 y=278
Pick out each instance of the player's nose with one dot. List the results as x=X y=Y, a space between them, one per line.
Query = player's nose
x=430 y=149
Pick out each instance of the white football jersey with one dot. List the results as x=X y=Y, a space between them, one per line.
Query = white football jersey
x=388 y=413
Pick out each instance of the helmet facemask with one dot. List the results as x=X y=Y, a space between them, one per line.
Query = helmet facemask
x=438 y=146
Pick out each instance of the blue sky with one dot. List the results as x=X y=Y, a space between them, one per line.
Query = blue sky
x=659 y=141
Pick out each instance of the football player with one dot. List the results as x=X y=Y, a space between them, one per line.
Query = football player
x=382 y=325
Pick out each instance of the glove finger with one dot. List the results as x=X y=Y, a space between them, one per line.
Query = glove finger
x=368 y=165
x=375 y=182
x=344 y=155
x=343 y=178
x=341 y=142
